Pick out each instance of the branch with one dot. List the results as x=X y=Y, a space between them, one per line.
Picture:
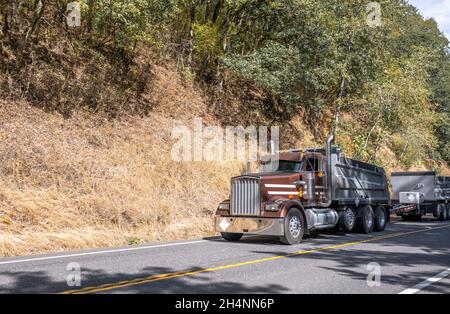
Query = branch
x=39 y=9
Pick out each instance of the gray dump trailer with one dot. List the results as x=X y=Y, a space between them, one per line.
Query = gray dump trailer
x=416 y=194
x=357 y=183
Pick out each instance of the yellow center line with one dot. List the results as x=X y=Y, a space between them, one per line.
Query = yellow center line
x=154 y=278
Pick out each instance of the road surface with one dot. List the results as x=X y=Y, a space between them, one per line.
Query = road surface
x=409 y=257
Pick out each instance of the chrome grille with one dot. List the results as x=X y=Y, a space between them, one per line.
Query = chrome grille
x=245 y=196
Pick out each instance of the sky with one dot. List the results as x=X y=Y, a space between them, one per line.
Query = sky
x=437 y=9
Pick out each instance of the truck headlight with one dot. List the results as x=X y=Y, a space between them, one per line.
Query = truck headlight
x=272 y=207
x=224 y=206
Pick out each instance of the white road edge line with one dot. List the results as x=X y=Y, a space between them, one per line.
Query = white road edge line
x=101 y=252
x=426 y=283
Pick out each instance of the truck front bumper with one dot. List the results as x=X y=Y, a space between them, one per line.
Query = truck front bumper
x=250 y=225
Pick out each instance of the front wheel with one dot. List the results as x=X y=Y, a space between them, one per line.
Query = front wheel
x=365 y=221
x=294 y=227
x=232 y=237
x=380 y=218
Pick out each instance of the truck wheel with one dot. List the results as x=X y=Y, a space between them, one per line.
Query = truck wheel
x=294 y=227
x=365 y=223
x=442 y=213
x=347 y=218
x=232 y=237
x=380 y=218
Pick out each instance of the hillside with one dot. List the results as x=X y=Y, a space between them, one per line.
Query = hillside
x=88 y=182
x=87 y=114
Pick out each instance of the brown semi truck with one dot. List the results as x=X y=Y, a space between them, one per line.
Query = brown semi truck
x=310 y=189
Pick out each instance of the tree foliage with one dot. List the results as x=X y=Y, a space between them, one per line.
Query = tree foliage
x=389 y=83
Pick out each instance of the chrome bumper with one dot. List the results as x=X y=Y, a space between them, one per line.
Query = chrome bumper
x=261 y=226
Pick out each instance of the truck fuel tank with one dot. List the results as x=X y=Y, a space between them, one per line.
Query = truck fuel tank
x=321 y=218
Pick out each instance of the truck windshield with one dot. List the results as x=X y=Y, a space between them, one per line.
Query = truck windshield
x=282 y=166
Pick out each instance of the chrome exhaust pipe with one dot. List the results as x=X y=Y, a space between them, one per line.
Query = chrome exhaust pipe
x=329 y=168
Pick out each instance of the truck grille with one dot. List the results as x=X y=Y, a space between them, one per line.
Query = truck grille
x=246 y=196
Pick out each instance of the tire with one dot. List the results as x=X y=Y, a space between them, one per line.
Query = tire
x=366 y=221
x=294 y=227
x=347 y=219
x=448 y=211
x=442 y=213
x=380 y=219
x=232 y=237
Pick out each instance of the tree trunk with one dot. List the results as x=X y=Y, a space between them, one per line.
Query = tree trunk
x=338 y=104
x=15 y=11
x=191 y=34
x=90 y=15
x=216 y=12
x=5 y=24
x=39 y=9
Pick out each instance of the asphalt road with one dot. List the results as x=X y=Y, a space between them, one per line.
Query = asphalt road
x=412 y=257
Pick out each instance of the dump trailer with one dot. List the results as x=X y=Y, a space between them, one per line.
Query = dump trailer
x=306 y=190
x=416 y=194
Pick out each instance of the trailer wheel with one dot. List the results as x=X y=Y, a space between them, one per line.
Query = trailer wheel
x=442 y=212
x=232 y=237
x=347 y=218
x=365 y=221
x=380 y=218
x=294 y=227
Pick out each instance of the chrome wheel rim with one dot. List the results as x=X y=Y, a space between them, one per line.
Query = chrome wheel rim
x=350 y=217
x=369 y=220
x=381 y=219
x=295 y=226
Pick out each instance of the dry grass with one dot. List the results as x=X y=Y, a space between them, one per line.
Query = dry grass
x=86 y=182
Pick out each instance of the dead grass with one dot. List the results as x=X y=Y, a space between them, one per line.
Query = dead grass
x=90 y=182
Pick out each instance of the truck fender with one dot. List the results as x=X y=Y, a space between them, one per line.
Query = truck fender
x=288 y=204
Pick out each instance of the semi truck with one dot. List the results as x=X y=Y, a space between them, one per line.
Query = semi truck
x=416 y=194
x=308 y=189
